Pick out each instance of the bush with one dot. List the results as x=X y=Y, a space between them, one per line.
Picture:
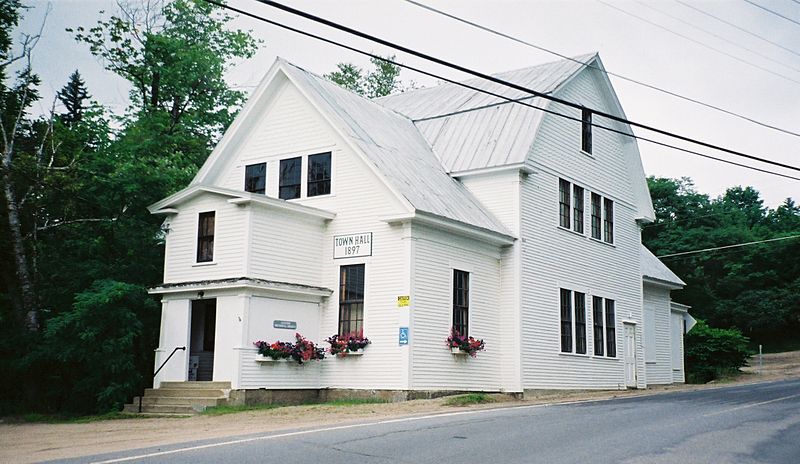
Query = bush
x=712 y=353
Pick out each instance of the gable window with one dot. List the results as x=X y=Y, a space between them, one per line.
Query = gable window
x=573 y=321
x=351 y=299
x=563 y=203
x=289 y=182
x=577 y=208
x=205 y=237
x=608 y=223
x=319 y=175
x=596 y=216
x=461 y=302
x=586 y=130
x=255 y=178
x=605 y=327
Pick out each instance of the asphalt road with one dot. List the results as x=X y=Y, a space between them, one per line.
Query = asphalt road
x=739 y=424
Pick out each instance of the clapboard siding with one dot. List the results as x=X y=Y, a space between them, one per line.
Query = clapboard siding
x=434 y=367
x=229 y=241
x=657 y=300
x=554 y=258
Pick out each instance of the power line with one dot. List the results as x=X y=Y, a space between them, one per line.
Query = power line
x=698 y=42
x=713 y=34
x=683 y=253
x=688 y=5
x=773 y=12
x=476 y=89
x=625 y=78
x=509 y=84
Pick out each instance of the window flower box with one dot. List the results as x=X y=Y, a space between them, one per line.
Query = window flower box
x=301 y=351
x=457 y=351
x=461 y=344
x=347 y=345
x=267 y=359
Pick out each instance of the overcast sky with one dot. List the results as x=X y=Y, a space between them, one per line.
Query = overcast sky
x=729 y=77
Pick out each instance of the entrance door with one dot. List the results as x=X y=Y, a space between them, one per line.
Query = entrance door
x=630 y=355
x=201 y=349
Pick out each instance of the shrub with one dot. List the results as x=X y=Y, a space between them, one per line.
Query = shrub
x=712 y=352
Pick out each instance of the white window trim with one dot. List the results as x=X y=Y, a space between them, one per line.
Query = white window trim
x=468 y=270
x=605 y=328
x=213 y=261
x=574 y=323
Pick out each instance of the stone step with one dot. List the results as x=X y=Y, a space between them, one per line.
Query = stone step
x=163 y=409
x=183 y=393
x=182 y=401
x=196 y=385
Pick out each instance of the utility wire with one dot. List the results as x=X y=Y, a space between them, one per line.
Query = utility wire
x=698 y=42
x=505 y=83
x=715 y=35
x=773 y=12
x=619 y=76
x=688 y=5
x=476 y=89
x=683 y=253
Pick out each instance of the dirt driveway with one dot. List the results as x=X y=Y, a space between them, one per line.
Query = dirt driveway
x=21 y=443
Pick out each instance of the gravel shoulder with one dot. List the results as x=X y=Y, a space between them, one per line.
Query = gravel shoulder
x=22 y=443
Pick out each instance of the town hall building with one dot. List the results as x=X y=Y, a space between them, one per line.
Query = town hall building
x=408 y=217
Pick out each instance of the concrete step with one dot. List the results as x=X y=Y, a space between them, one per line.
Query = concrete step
x=163 y=409
x=198 y=401
x=184 y=393
x=196 y=385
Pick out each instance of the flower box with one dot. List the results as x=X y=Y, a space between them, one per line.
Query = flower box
x=457 y=351
x=346 y=345
x=303 y=350
x=267 y=359
x=358 y=352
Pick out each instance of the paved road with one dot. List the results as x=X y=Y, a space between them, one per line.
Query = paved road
x=740 y=424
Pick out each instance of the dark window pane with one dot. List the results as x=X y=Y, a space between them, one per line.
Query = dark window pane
x=255 y=178
x=609 y=221
x=611 y=332
x=597 y=319
x=351 y=300
x=566 y=321
x=580 y=323
x=319 y=174
x=596 y=216
x=586 y=130
x=205 y=237
x=563 y=203
x=289 y=183
x=577 y=208
x=461 y=302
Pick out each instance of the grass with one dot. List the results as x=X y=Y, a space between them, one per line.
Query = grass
x=468 y=399
x=220 y=410
x=62 y=419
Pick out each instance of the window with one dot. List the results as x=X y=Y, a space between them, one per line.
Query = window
x=205 y=237
x=605 y=331
x=255 y=178
x=596 y=216
x=461 y=302
x=289 y=183
x=573 y=323
x=608 y=223
x=351 y=299
x=563 y=203
x=577 y=208
x=319 y=175
x=586 y=130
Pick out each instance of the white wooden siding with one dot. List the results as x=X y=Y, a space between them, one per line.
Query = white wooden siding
x=656 y=299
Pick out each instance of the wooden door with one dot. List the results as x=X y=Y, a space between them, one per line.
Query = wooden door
x=630 y=355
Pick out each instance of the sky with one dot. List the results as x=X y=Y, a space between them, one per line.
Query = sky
x=670 y=45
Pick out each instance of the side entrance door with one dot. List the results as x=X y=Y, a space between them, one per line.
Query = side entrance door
x=201 y=345
x=630 y=355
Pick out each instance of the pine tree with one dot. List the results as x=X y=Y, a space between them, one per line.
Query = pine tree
x=73 y=96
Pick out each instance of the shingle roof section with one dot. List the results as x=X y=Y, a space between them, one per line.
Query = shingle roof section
x=393 y=144
x=471 y=130
x=653 y=268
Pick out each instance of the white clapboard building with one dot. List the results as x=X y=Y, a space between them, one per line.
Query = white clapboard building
x=322 y=212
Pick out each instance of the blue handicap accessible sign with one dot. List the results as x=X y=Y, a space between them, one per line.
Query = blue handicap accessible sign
x=403 y=338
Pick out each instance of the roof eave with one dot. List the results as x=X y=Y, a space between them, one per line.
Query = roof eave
x=486 y=235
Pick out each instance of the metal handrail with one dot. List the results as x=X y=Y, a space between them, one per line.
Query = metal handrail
x=183 y=348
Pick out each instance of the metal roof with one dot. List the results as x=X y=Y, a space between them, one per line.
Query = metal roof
x=393 y=144
x=653 y=268
x=470 y=130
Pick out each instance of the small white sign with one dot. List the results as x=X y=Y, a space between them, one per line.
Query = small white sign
x=352 y=246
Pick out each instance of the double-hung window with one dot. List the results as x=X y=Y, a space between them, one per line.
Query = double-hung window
x=289 y=182
x=596 y=216
x=461 y=302
x=608 y=222
x=563 y=203
x=205 y=237
x=351 y=300
x=577 y=208
x=570 y=206
x=255 y=178
x=605 y=327
x=573 y=321
x=586 y=130
x=319 y=175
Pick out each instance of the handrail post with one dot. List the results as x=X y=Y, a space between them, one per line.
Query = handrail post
x=182 y=348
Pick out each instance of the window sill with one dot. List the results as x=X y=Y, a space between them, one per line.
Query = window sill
x=603 y=242
x=607 y=358
x=574 y=355
x=209 y=263
x=579 y=234
x=586 y=153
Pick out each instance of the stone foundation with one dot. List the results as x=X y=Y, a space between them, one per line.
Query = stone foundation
x=323 y=395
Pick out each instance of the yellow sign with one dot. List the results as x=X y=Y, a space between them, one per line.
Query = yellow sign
x=402 y=301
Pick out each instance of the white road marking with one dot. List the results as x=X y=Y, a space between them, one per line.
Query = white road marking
x=750 y=405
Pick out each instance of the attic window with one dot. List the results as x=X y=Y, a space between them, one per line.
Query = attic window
x=255 y=178
x=290 y=178
x=319 y=175
x=586 y=130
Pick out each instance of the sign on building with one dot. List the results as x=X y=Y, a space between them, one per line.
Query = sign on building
x=403 y=336
x=352 y=246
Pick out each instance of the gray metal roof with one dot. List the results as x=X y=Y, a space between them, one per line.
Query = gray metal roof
x=470 y=130
x=653 y=268
x=393 y=144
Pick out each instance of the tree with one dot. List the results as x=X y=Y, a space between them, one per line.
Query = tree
x=73 y=96
x=381 y=81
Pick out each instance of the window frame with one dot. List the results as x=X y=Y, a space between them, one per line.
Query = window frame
x=246 y=178
x=467 y=299
x=298 y=185
x=343 y=292
x=607 y=345
x=596 y=219
x=570 y=327
x=309 y=181
x=201 y=238
x=564 y=203
x=586 y=130
x=578 y=192
x=608 y=220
